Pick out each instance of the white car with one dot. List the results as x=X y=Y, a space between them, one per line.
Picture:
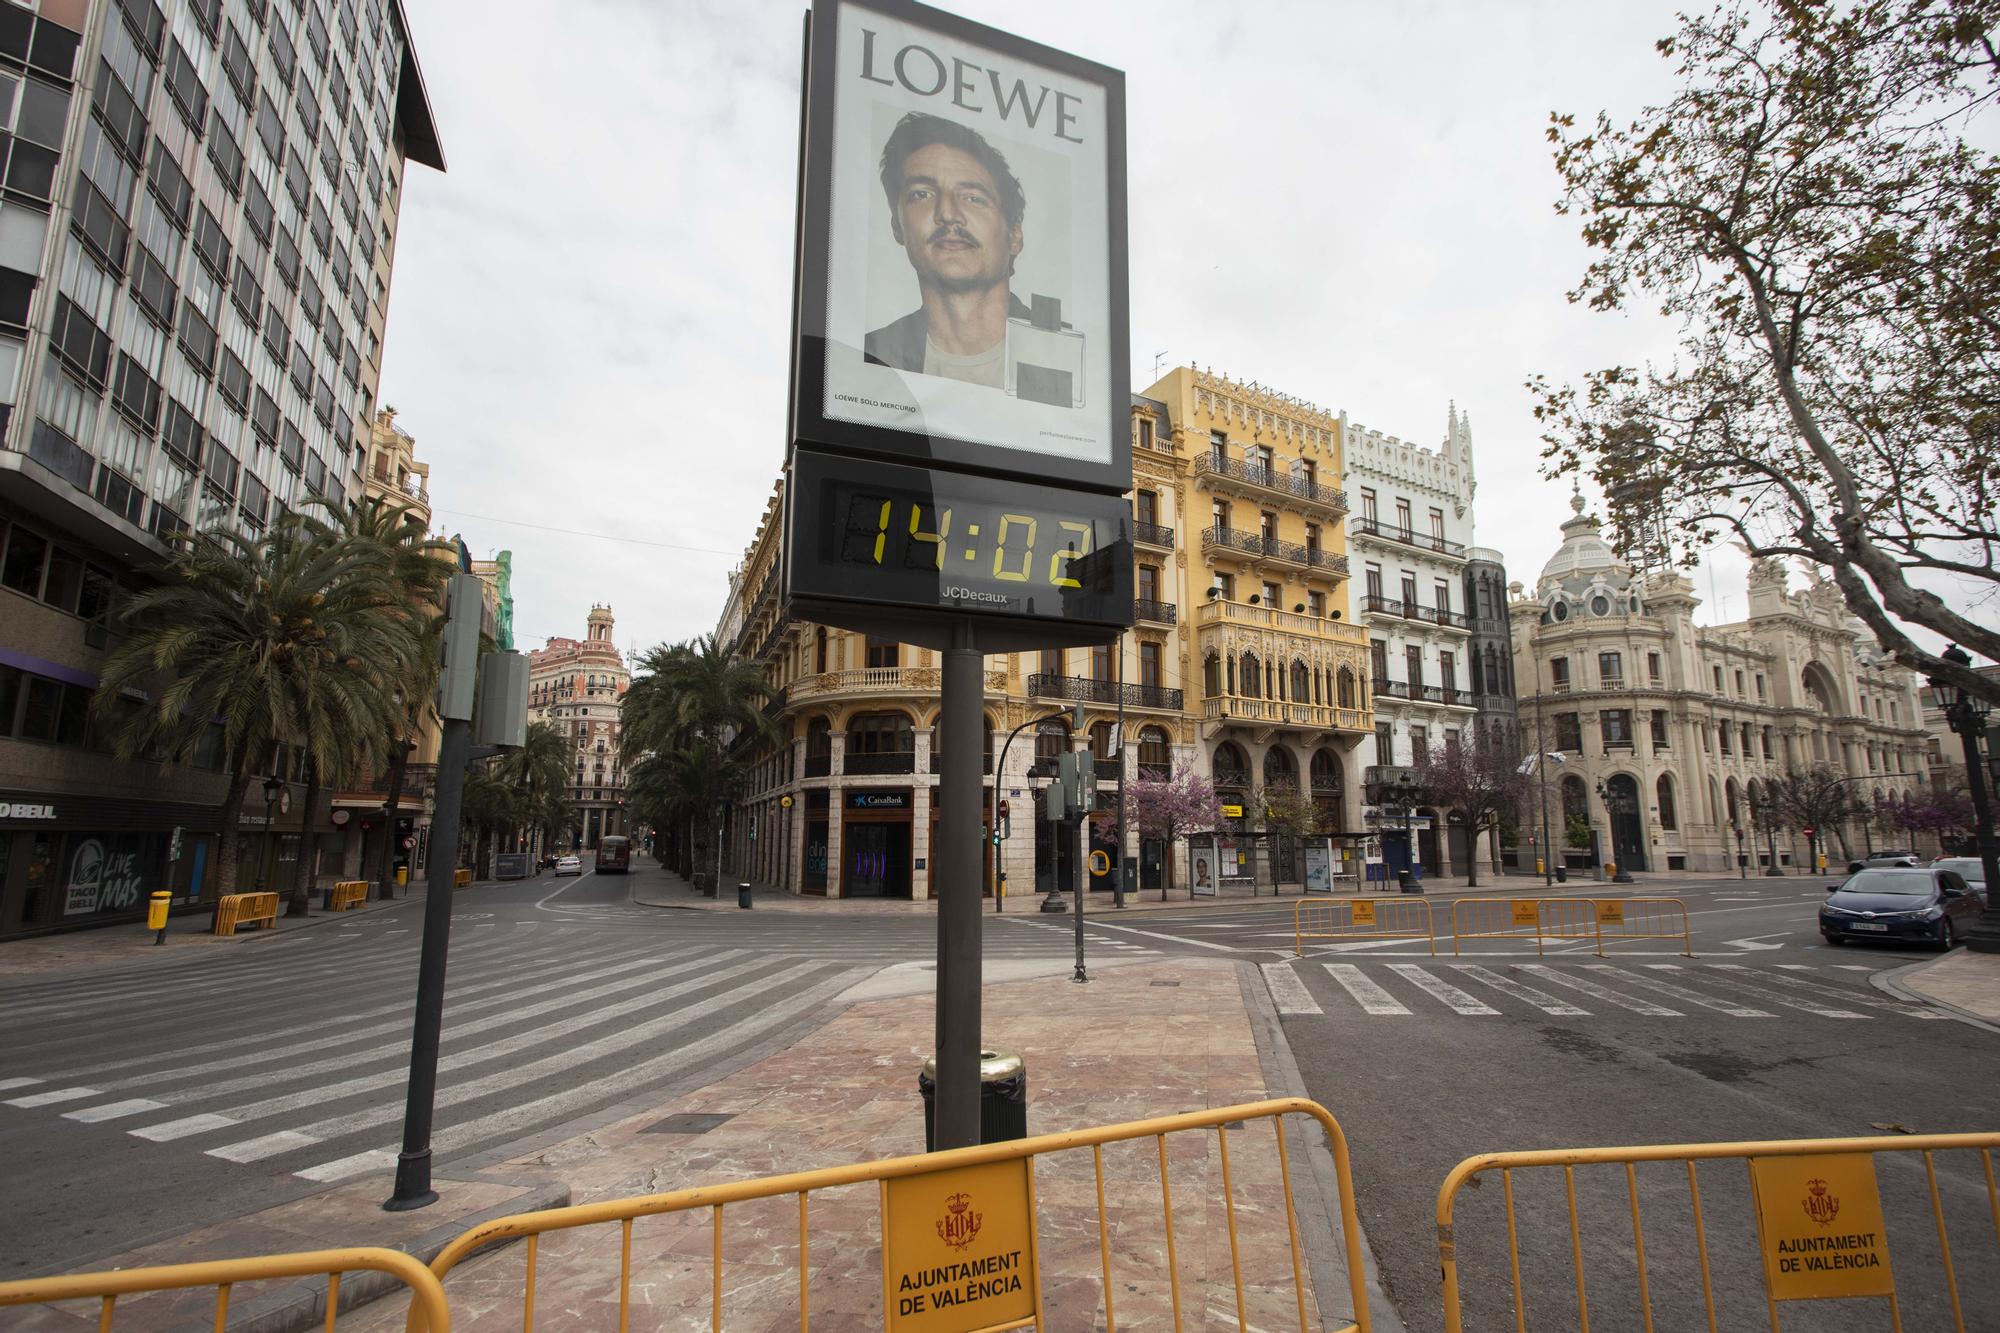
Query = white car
x=569 y=865
x=1968 y=868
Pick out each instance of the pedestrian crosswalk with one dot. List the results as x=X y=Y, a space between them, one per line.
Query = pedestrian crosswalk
x=1495 y=989
x=190 y=1059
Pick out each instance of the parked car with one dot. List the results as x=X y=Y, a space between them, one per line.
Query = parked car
x=1887 y=857
x=1968 y=868
x=569 y=865
x=1900 y=904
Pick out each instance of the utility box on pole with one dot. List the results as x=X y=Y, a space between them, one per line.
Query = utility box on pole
x=503 y=701
x=458 y=649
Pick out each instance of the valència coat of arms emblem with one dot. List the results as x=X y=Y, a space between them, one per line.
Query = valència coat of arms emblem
x=1821 y=1206
x=959 y=1226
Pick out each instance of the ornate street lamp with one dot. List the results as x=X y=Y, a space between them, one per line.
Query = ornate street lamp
x=274 y=791
x=1615 y=803
x=1967 y=716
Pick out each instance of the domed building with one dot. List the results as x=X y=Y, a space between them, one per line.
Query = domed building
x=1663 y=725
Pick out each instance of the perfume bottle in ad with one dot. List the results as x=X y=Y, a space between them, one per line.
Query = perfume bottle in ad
x=1045 y=356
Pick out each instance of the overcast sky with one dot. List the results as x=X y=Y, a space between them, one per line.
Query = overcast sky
x=1349 y=203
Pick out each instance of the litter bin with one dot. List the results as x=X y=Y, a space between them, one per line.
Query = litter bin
x=742 y=895
x=1562 y=874
x=1003 y=1098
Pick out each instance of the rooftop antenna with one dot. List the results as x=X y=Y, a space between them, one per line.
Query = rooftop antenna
x=1157 y=358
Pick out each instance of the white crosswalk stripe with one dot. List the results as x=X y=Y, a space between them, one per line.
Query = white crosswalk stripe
x=1288 y=992
x=1681 y=993
x=1595 y=991
x=1847 y=996
x=1542 y=1000
x=1366 y=993
x=1459 y=1001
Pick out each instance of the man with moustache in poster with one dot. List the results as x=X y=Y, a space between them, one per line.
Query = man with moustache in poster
x=956 y=208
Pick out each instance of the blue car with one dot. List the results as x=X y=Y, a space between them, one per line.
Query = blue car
x=1909 y=906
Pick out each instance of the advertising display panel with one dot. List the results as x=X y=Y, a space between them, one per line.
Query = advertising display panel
x=962 y=294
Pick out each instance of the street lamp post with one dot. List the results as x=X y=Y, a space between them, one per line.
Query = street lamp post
x=1742 y=857
x=999 y=770
x=1967 y=716
x=274 y=788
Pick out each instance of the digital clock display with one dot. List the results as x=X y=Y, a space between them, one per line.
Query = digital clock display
x=884 y=533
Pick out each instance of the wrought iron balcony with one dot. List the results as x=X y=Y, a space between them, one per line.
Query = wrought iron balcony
x=1163 y=613
x=1254 y=473
x=1394 y=689
x=1089 y=690
x=1153 y=534
x=1420 y=541
x=1232 y=777
x=1273 y=548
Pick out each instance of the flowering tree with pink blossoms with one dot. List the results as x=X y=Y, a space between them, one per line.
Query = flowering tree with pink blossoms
x=1169 y=808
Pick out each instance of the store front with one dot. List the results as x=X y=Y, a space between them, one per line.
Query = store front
x=875 y=844
x=74 y=861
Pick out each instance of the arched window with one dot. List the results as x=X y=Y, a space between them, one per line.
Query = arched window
x=1211 y=675
x=1155 y=756
x=1300 y=687
x=1280 y=767
x=1253 y=677
x=1100 y=742
x=1664 y=793
x=1819 y=687
x=881 y=733
x=1734 y=796
x=1232 y=769
x=1350 y=688
x=1051 y=740
x=1574 y=799
x=1326 y=772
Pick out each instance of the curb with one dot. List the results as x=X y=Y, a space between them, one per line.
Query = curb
x=1891 y=982
x=1281 y=1073
x=302 y=1305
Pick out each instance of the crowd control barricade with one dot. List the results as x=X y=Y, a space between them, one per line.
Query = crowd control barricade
x=1361 y=919
x=1682 y=1234
x=427 y=1303
x=955 y=1233
x=1496 y=919
x=1565 y=919
x=1623 y=919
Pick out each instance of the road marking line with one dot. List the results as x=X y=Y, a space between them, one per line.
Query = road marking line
x=270 y=1145
x=1288 y=990
x=8 y=1084
x=1680 y=992
x=375 y=1159
x=1854 y=967
x=1460 y=1001
x=1845 y=997
x=1779 y=997
x=170 y=1130
x=1796 y=967
x=1366 y=993
x=90 y=1115
x=1542 y=1000
x=1598 y=992
x=51 y=1098
x=1150 y=934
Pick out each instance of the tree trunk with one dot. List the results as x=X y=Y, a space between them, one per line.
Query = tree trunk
x=715 y=889
x=225 y=839
x=1471 y=850
x=385 y=875
x=302 y=877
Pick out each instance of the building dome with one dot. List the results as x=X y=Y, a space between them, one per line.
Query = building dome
x=1584 y=558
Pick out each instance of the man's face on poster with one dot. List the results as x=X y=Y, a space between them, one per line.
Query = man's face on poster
x=951 y=224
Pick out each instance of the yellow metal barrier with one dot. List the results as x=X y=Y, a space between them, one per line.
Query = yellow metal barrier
x=427 y=1304
x=1811 y=1218
x=347 y=893
x=904 y=1229
x=1361 y=919
x=1623 y=919
x=240 y=909
x=1565 y=919
x=1496 y=919
x=461 y=877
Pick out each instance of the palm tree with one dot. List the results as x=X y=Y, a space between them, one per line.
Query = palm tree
x=538 y=773
x=694 y=700
x=275 y=638
x=418 y=567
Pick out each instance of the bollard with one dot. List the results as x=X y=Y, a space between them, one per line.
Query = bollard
x=156 y=915
x=743 y=895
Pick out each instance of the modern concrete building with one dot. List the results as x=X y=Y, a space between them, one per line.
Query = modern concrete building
x=1665 y=723
x=197 y=233
x=1243 y=665
x=578 y=687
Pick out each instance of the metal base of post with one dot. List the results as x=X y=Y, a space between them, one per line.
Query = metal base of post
x=1983 y=936
x=1622 y=878
x=1054 y=902
x=413 y=1183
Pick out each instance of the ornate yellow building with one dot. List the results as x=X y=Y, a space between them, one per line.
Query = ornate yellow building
x=1244 y=663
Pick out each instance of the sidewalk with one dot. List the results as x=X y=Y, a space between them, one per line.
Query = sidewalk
x=187 y=932
x=1963 y=982
x=1139 y=1040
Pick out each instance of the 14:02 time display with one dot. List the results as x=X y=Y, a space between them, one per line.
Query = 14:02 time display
x=1014 y=545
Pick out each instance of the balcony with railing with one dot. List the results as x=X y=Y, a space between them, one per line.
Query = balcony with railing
x=1090 y=690
x=1218 y=611
x=1378 y=604
x=881 y=680
x=1264 y=478
x=1153 y=534
x=1236 y=541
x=1232 y=777
x=1160 y=613
x=1283 y=713
x=1375 y=527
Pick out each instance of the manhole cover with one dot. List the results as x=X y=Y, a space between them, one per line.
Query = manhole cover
x=688 y=1122
x=1159 y=982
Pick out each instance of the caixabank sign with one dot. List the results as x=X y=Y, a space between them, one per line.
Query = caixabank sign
x=961 y=386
